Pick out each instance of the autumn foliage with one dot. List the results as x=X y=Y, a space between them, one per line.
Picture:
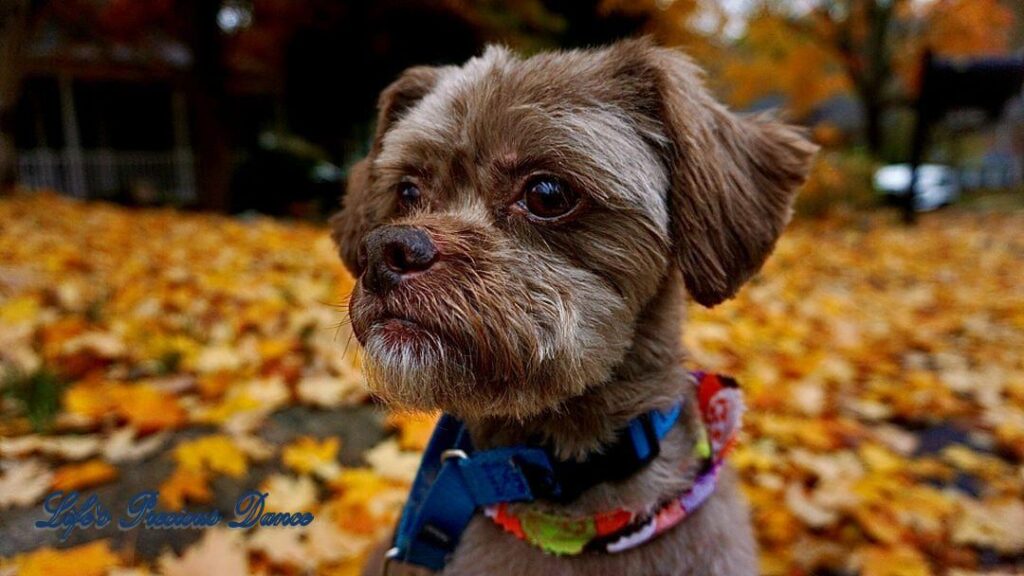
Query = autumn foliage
x=885 y=435
x=798 y=56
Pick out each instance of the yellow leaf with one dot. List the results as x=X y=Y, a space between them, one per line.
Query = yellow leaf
x=17 y=310
x=881 y=527
x=367 y=502
x=879 y=459
x=89 y=399
x=306 y=455
x=216 y=453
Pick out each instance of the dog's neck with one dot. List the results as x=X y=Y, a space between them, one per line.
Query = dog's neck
x=650 y=376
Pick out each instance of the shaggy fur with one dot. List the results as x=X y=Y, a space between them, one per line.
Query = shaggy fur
x=565 y=330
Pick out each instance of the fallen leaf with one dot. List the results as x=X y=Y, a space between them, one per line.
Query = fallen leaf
x=414 y=428
x=84 y=475
x=121 y=445
x=148 y=409
x=24 y=483
x=220 y=552
x=812 y=514
x=216 y=453
x=306 y=455
x=328 y=391
x=996 y=524
x=283 y=547
x=66 y=447
x=185 y=485
x=897 y=561
x=327 y=543
x=289 y=493
x=92 y=559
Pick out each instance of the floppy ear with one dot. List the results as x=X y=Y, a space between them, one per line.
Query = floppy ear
x=733 y=179
x=357 y=217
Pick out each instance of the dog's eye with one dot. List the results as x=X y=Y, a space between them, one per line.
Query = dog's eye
x=548 y=198
x=408 y=194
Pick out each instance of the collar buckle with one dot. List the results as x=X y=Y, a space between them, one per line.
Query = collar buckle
x=542 y=480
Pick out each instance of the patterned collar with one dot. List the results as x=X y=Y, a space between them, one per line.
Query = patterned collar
x=721 y=408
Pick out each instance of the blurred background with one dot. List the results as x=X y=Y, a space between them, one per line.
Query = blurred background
x=173 y=312
x=263 y=104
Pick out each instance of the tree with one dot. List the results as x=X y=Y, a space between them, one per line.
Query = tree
x=773 y=58
x=881 y=41
x=693 y=25
x=808 y=52
x=207 y=95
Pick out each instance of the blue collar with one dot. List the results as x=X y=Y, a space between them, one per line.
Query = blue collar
x=455 y=481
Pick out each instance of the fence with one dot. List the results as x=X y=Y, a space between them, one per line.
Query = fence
x=165 y=176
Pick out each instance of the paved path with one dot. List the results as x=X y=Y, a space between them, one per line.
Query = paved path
x=360 y=428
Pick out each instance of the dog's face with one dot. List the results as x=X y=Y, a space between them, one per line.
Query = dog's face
x=515 y=216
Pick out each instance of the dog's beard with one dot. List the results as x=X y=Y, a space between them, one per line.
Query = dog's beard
x=420 y=373
x=426 y=371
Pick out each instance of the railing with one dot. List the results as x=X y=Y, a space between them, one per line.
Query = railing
x=160 y=176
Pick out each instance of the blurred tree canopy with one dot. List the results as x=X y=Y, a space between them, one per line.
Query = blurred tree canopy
x=323 y=62
x=810 y=52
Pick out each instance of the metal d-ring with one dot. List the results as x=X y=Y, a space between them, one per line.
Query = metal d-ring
x=454 y=453
x=389 y=556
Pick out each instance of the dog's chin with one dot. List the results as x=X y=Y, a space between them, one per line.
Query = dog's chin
x=407 y=365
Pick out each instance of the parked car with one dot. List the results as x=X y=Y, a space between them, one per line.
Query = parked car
x=936 y=186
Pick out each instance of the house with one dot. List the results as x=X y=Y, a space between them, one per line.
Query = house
x=98 y=119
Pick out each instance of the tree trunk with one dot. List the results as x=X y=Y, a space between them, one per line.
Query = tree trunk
x=13 y=31
x=873 y=111
x=863 y=41
x=878 y=57
x=207 y=94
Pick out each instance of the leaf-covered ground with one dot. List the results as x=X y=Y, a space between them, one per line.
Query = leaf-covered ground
x=200 y=355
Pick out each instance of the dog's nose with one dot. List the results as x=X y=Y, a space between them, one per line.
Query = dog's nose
x=394 y=253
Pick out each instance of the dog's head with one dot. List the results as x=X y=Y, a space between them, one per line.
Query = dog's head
x=514 y=217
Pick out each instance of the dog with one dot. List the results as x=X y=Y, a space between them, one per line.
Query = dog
x=526 y=232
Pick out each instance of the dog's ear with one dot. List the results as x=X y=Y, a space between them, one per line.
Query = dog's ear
x=733 y=178
x=400 y=95
x=356 y=218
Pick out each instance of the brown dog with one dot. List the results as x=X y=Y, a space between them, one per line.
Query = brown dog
x=524 y=230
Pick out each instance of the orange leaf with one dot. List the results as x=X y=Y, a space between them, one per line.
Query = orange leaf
x=84 y=475
x=898 y=561
x=144 y=407
x=93 y=559
x=148 y=409
x=185 y=485
x=414 y=429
